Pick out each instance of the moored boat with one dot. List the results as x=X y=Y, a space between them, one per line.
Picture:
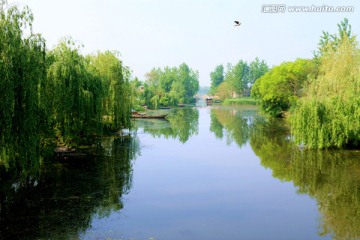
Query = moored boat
x=148 y=116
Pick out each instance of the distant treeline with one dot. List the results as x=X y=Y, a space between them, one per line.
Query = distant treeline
x=236 y=80
x=56 y=96
x=169 y=86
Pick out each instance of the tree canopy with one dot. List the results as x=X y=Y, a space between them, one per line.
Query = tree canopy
x=328 y=115
x=237 y=79
x=216 y=77
x=22 y=69
x=56 y=96
x=170 y=86
x=278 y=89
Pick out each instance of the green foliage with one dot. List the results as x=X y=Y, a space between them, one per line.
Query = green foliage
x=136 y=88
x=330 y=42
x=57 y=93
x=84 y=94
x=224 y=90
x=238 y=78
x=216 y=78
x=279 y=89
x=116 y=91
x=329 y=114
x=257 y=69
x=240 y=101
x=66 y=94
x=22 y=68
x=170 y=86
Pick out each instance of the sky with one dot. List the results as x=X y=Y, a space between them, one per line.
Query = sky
x=200 y=33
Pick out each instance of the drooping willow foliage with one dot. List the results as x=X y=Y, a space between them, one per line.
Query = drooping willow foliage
x=22 y=68
x=115 y=88
x=54 y=97
x=329 y=114
x=69 y=93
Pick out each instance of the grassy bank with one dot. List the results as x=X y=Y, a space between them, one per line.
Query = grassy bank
x=240 y=101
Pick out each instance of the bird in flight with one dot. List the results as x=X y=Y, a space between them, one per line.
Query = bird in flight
x=237 y=23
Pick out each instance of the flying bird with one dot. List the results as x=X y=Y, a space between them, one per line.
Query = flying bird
x=237 y=23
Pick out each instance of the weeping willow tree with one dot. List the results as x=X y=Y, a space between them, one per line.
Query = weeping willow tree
x=116 y=101
x=86 y=94
x=329 y=113
x=22 y=68
x=53 y=97
x=71 y=95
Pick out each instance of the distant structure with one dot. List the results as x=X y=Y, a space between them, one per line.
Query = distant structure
x=237 y=23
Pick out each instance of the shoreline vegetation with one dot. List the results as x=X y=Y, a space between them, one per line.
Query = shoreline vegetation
x=56 y=97
x=319 y=96
x=61 y=98
x=240 y=101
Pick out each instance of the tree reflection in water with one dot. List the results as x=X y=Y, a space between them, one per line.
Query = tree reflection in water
x=61 y=200
x=233 y=123
x=181 y=124
x=332 y=177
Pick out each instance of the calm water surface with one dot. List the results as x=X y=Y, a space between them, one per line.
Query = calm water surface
x=205 y=173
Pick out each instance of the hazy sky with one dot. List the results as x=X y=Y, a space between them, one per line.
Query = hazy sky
x=201 y=33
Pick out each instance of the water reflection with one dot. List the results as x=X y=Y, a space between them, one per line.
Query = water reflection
x=181 y=124
x=234 y=123
x=60 y=201
x=331 y=177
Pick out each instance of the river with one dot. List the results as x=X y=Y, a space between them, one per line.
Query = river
x=204 y=173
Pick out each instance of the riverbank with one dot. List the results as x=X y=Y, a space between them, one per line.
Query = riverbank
x=240 y=101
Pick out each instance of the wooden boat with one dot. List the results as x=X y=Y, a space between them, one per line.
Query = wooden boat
x=64 y=153
x=148 y=116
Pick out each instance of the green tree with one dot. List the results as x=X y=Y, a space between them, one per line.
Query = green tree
x=22 y=69
x=278 y=89
x=238 y=76
x=170 y=86
x=257 y=69
x=116 y=103
x=71 y=95
x=177 y=92
x=328 y=115
x=330 y=42
x=53 y=96
x=189 y=79
x=224 y=90
x=216 y=78
x=137 y=89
